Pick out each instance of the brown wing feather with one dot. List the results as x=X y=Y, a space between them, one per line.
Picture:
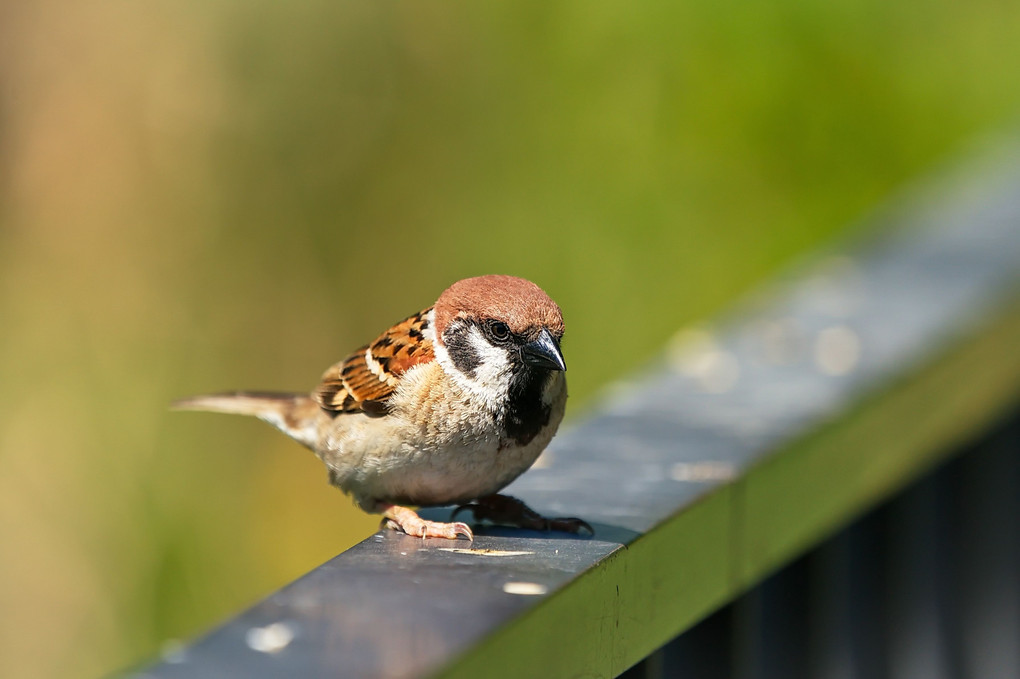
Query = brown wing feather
x=358 y=384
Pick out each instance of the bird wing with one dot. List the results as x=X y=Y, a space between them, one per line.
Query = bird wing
x=364 y=381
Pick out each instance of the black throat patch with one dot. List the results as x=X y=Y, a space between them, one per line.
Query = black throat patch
x=526 y=413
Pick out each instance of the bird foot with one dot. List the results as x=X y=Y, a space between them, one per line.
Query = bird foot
x=408 y=521
x=509 y=511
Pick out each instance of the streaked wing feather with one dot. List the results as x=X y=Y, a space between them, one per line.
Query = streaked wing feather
x=368 y=377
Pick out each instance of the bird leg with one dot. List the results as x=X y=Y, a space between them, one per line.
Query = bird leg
x=408 y=521
x=509 y=511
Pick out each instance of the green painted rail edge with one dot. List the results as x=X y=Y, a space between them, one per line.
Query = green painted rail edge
x=642 y=596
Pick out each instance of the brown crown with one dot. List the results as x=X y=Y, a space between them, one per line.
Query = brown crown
x=519 y=303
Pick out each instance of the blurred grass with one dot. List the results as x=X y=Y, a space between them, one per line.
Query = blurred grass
x=200 y=196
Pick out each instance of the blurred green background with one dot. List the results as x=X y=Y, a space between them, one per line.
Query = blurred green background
x=199 y=196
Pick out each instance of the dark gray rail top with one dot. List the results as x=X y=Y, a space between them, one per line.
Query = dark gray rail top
x=759 y=436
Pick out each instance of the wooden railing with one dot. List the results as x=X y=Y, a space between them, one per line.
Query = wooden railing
x=753 y=440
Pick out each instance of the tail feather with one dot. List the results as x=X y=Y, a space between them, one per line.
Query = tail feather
x=296 y=415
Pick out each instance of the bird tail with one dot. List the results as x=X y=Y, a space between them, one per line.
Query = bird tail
x=296 y=415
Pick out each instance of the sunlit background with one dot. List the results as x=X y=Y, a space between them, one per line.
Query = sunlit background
x=199 y=196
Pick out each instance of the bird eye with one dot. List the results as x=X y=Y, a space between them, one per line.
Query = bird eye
x=498 y=330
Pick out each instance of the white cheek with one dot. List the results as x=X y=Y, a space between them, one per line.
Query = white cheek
x=490 y=381
x=495 y=366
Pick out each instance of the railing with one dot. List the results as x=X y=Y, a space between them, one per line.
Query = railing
x=747 y=445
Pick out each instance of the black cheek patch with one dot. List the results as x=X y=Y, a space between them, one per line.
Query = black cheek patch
x=461 y=352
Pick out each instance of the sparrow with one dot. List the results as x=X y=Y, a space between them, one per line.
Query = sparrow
x=446 y=407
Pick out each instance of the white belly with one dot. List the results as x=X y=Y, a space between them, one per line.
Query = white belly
x=430 y=450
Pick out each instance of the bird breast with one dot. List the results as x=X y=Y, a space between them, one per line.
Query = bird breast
x=438 y=444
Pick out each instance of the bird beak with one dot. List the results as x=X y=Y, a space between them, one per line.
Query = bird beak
x=543 y=353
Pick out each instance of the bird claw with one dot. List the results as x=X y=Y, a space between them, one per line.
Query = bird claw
x=407 y=521
x=570 y=524
x=509 y=511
